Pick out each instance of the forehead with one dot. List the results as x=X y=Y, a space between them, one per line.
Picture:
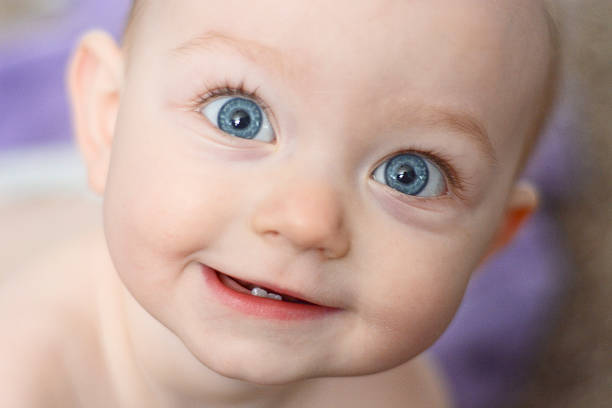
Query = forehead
x=466 y=52
x=382 y=30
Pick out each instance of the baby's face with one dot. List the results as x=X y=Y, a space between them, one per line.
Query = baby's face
x=356 y=154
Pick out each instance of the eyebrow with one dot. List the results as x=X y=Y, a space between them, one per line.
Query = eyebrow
x=451 y=119
x=255 y=52
x=457 y=121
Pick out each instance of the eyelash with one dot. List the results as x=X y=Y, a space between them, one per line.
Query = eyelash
x=226 y=89
x=457 y=181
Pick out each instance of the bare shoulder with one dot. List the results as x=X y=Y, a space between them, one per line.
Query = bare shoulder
x=49 y=346
x=416 y=384
x=46 y=324
x=31 y=352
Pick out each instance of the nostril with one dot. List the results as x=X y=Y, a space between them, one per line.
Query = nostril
x=271 y=236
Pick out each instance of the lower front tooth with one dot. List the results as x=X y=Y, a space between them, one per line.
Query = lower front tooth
x=259 y=292
x=274 y=296
x=263 y=293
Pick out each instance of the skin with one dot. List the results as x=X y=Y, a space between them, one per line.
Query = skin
x=302 y=212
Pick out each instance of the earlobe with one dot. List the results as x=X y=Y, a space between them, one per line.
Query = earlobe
x=522 y=204
x=95 y=78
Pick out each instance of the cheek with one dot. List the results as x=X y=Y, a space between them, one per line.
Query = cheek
x=159 y=211
x=417 y=287
x=428 y=297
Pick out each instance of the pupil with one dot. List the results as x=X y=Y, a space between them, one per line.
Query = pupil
x=240 y=120
x=406 y=175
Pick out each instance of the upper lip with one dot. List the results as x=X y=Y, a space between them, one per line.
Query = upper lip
x=272 y=287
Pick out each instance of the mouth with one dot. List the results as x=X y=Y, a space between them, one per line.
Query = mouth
x=258 y=290
x=262 y=300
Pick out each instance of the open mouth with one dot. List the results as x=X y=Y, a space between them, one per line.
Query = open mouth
x=256 y=290
x=262 y=299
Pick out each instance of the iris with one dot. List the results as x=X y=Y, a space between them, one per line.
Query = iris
x=240 y=117
x=407 y=173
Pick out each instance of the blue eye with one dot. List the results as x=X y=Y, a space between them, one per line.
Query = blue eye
x=240 y=117
x=411 y=174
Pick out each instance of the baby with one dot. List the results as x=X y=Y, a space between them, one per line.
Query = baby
x=295 y=196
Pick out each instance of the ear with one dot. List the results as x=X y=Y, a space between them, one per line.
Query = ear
x=522 y=204
x=95 y=78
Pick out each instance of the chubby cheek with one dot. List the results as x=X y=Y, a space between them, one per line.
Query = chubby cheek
x=413 y=292
x=159 y=211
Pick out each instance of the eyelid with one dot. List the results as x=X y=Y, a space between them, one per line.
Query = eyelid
x=229 y=90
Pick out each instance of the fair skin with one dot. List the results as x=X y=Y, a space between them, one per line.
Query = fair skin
x=347 y=86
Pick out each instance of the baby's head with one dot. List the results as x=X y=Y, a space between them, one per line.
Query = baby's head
x=360 y=155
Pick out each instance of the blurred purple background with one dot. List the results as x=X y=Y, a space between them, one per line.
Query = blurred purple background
x=33 y=58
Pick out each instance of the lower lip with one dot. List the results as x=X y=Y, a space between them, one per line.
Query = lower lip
x=262 y=307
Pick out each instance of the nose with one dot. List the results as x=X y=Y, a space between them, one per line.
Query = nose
x=308 y=216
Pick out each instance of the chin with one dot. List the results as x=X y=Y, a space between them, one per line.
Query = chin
x=285 y=370
x=260 y=373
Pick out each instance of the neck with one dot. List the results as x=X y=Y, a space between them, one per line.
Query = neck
x=150 y=366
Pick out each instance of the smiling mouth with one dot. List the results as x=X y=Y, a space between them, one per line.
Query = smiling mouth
x=242 y=286
x=257 y=299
